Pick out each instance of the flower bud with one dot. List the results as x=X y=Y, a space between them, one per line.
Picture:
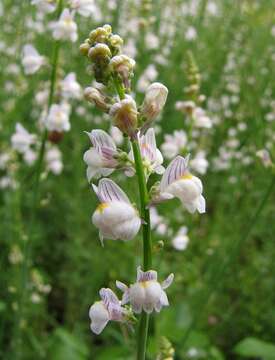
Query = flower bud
x=154 y=101
x=124 y=114
x=116 y=41
x=123 y=65
x=84 y=48
x=99 y=53
x=100 y=34
x=93 y=95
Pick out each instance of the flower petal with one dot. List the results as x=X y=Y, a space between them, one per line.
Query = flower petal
x=174 y=171
x=121 y=286
x=100 y=139
x=109 y=191
x=168 y=281
x=146 y=276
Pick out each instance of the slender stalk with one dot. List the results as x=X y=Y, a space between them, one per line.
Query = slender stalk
x=146 y=230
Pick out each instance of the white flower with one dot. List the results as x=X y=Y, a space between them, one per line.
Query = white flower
x=115 y=217
x=199 y=163
x=31 y=60
x=45 y=6
x=70 y=87
x=29 y=156
x=177 y=181
x=181 y=240
x=54 y=160
x=146 y=293
x=65 y=28
x=264 y=156
x=58 y=118
x=21 y=140
x=109 y=308
x=100 y=158
x=191 y=34
x=201 y=119
x=174 y=144
x=151 y=156
x=84 y=7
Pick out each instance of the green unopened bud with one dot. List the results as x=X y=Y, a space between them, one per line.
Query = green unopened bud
x=124 y=114
x=85 y=47
x=99 y=52
x=116 y=41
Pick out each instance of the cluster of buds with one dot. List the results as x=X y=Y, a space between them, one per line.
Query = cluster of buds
x=113 y=70
x=191 y=107
x=103 y=49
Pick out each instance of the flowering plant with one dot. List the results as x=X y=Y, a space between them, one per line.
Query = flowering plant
x=116 y=217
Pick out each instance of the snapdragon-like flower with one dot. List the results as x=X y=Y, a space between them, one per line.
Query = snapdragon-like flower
x=146 y=293
x=58 y=118
x=21 y=140
x=151 y=156
x=70 y=88
x=154 y=101
x=115 y=217
x=124 y=114
x=109 y=308
x=65 y=28
x=100 y=158
x=31 y=60
x=178 y=181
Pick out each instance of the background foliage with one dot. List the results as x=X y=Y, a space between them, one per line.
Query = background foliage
x=222 y=300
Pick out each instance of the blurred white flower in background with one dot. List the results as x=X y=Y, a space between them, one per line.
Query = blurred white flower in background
x=191 y=34
x=53 y=159
x=199 y=163
x=21 y=140
x=65 y=28
x=181 y=240
x=31 y=59
x=83 y=7
x=70 y=88
x=45 y=6
x=174 y=144
x=58 y=118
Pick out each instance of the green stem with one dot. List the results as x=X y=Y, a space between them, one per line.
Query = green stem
x=146 y=229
